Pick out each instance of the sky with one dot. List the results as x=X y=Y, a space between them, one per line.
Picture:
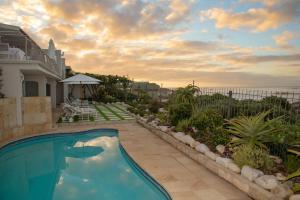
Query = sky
x=216 y=43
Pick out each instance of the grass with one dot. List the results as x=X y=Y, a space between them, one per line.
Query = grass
x=111 y=110
x=103 y=115
x=119 y=108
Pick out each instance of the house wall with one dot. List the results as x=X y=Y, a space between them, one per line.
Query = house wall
x=12 y=87
x=36 y=115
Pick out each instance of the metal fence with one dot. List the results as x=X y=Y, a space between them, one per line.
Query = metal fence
x=232 y=102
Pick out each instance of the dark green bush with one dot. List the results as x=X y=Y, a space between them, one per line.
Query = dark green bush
x=292 y=163
x=76 y=118
x=109 y=99
x=184 y=126
x=92 y=118
x=252 y=156
x=59 y=120
x=179 y=112
x=154 y=106
x=163 y=118
x=206 y=119
x=219 y=136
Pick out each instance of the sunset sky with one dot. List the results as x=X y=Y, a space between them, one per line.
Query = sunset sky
x=170 y=42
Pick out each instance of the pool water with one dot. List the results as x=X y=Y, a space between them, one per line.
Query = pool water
x=89 y=165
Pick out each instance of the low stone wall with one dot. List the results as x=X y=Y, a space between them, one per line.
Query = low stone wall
x=37 y=114
x=36 y=117
x=250 y=188
x=8 y=115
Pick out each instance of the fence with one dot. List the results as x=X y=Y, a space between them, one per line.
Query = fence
x=233 y=102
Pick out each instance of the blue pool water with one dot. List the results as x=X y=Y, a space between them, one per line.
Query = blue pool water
x=90 y=165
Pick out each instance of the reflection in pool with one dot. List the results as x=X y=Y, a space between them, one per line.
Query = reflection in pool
x=88 y=165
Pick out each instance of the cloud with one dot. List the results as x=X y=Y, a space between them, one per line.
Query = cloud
x=256 y=19
x=122 y=19
x=256 y=59
x=157 y=40
x=283 y=39
x=265 y=2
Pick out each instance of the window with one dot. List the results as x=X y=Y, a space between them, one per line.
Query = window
x=48 y=90
x=31 y=89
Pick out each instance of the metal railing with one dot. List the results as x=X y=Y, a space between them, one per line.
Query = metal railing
x=232 y=102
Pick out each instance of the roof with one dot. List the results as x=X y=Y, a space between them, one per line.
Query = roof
x=81 y=79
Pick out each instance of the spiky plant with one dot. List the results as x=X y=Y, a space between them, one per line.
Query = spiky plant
x=253 y=130
x=296 y=174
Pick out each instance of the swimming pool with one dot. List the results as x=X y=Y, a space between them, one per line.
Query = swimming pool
x=88 y=165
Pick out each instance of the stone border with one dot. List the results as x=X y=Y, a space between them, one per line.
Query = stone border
x=70 y=124
x=250 y=188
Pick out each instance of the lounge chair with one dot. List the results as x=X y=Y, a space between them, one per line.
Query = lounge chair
x=74 y=110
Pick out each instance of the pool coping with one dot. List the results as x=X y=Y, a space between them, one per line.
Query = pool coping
x=142 y=171
x=243 y=184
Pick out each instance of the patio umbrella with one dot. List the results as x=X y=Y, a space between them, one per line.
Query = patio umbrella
x=81 y=79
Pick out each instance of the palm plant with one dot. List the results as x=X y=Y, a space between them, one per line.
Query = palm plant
x=185 y=95
x=253 y=130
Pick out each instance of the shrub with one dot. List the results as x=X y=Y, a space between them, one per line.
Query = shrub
x=206 y=120
x=109 y=99
x=184 y=125
x=59 y=120
x=291 y=163
x=163 y=118
x=76 y=118
x=295 y=175
x=253 y=130
x=219 y=136
x=179 y=112
x=92 y=118
x=252 y=156
x=154 y=106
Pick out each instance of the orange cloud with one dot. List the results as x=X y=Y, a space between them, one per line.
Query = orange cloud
x=283 y=39
x=256 y=19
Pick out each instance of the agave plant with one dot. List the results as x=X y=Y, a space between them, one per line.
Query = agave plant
x=253 y=130
x=295 y=175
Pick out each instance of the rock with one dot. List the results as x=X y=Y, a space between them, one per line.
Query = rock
x=220 y=148
x=211 y=155
x=234 y=167
x=173 y=133
x=143 y=119
x=295 y=197
x=276 y=159
x=164 y=128
x=196 y=143
x=267 y=181
x=223 y=161
x=250 y=173
x=189 y=140
x=161 y=110
x=282 y=191
x=202 y=148
x=280 y=177
x=179 y=136
x=194 y=130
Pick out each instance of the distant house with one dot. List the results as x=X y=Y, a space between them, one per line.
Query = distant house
x=27 y=70
x=153 y=89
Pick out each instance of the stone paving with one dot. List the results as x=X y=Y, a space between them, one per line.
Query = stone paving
x=182 y=177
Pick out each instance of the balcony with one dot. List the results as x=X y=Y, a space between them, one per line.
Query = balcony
x=17 y=46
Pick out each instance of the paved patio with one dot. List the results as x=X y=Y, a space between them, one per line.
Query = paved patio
x=183 y=178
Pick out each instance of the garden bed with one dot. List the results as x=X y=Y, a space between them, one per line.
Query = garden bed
x=232 y=174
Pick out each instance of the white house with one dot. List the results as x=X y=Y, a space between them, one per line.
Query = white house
x=27 y=70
